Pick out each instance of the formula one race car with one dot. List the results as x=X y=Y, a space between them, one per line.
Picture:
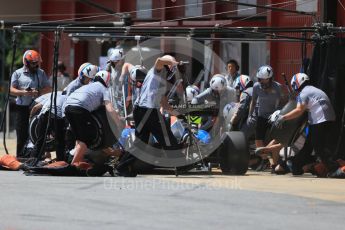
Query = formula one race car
x=198 y=150
x=228 y=150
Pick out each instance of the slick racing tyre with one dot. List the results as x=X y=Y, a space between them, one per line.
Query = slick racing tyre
x=234 y=153
x=105 y=137
x=34 y=133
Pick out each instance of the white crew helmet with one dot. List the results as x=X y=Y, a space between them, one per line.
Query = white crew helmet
x=218 y=82
x=264 y=72
x=243 y=82
x=172 y=68
x=169 y=57
x=88 y=70
x=133 y=71
x=116 y=54
x=229 y=110
x=298 y=79
x=105 y=75
x=191 y=92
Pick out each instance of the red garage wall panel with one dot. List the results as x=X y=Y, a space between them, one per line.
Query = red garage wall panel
x=286 y=57
x=59 y=10
x=73 y=55
x=341 y=15
x=90 y=13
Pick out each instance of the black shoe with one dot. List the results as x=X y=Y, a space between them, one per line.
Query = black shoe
x=332 y=166
x=283 y=168
x=297 y=171
x=128 y=172
x=263 y=166
x=254 y=162
x=273 y=169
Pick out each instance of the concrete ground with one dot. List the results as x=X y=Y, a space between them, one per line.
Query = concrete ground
x=253 y=201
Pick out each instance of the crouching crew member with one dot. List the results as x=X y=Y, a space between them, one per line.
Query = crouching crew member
x=321 y=116
x=79 y=106
x=219 y=93
x=27 y=83
x=86 y=73
x=147 y=117
x=43 y=117
x=239 y=119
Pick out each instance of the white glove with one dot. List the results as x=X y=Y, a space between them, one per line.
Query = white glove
x=279 y=122
x=194 y=101
x=273 y=117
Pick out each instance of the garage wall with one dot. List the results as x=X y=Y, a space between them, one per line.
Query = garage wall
x=286 y=57
x=12 y=10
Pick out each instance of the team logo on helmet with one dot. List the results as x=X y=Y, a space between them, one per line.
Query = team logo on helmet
x=31 y=56
x=191 y=92
x=87 y=70
x=264 y=72
x=243 y=82
x=298 y=80
x=268 y=71
x=218 y=82
x=229 y=110
x=116 y=55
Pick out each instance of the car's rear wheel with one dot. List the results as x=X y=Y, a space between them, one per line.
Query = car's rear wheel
x=234 y=153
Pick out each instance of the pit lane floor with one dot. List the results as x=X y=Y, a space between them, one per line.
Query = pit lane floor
x=254 y=201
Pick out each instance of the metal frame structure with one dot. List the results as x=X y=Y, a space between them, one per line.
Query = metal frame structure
x=123 y=30
x=116 y=31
